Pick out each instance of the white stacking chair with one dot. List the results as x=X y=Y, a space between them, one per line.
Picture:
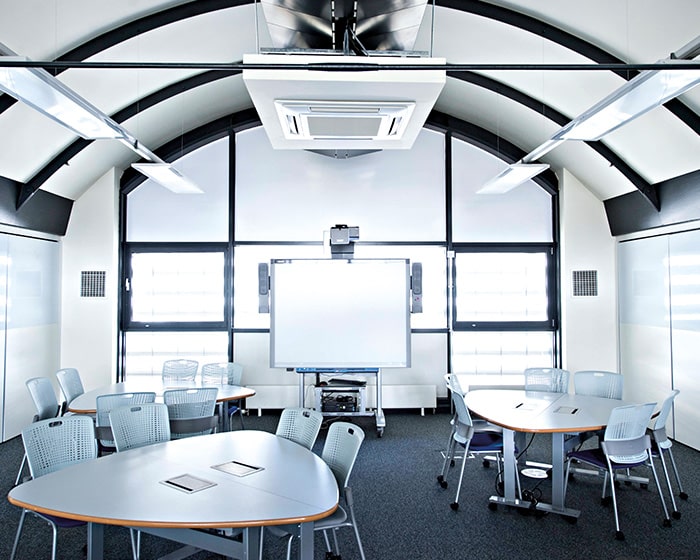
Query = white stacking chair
x=661 y=445
x=625 y=445
x=44 y=397
x=192 y=411
x=105 y=404
x=594 y=383
x=51 y=445
x=339 y=452
x=300 y=425
x=71 y=385
x=547 y=379
x=179 y=371
x=474 y=442
x=135 y=426
x=225 y=373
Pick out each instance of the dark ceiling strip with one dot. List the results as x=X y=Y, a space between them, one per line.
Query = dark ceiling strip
x=342 y=66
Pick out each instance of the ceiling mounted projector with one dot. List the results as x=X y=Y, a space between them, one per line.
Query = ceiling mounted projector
x=356 y=107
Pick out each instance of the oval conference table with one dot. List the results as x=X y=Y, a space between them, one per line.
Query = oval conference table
x=557 y=414
x=248 y=479
x=86 y=403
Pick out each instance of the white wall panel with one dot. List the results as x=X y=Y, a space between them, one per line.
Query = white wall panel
x=31 y=344
x=296 y=195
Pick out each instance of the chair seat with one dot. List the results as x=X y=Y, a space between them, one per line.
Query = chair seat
x=336 y=518
x=486 y=441
x=596 y=457
x=61 y=522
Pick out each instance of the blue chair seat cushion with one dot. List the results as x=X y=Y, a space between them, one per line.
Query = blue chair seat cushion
x=486 y=441
x=596 y=457
x=61 y=522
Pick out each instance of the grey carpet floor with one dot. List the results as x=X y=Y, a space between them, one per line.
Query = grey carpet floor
x=404 y=514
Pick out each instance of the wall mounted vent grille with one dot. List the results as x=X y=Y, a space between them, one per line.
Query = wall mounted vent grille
x=92 y=283
x=585 y=282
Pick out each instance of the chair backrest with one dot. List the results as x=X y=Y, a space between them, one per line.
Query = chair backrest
x=55 y=443
x=340 y=450
x=551 y=380
x=300 y=425
x=453 y=383
x=105 y=404
x=607 y=384
x=70 y=383
x=464 y=426
x=191 y=404
x=44 y=397
x=180 y=370
x=139 y=425
x=665 y=410
x=628 y=424
x=223 y=373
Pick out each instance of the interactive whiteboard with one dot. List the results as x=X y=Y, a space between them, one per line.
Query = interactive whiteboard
x=340 y=313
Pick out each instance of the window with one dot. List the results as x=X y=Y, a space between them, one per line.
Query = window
x=183 y=288
x=507 y=288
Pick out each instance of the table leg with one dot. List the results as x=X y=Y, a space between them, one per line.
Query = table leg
x=306 y=541
x=251 y=542
x=95 y=541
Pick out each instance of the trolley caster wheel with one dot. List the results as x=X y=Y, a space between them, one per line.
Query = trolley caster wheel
x=571 y=519
x=454 y=506
x=676 y=515
x=380 y=432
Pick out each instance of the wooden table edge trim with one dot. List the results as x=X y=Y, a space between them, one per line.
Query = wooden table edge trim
x=170 y=525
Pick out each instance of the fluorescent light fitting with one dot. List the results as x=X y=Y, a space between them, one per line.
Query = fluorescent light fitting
x=646 y=91
x=512 y=176
x=167 y=176
x=41 y=91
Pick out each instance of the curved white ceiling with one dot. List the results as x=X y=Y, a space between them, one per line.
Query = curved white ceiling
x=657 y=146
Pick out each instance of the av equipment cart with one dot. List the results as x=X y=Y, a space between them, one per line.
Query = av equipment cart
x=338 y=396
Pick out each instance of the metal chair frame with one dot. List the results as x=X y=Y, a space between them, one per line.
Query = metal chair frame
x=225 y=373
x=71 y=385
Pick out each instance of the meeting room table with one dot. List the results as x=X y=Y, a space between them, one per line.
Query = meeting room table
x=87 y=402
x=194 y=491
x=558 y=414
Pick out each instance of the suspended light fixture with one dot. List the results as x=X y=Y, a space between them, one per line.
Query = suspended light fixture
x=641 y=94
x=167 y=176
x=512 y=176
x=41 y=91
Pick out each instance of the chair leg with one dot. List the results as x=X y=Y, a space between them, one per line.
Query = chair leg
x=357 y=533
x=449 y=456
x=19 y=533
x=619 y=535
x=681 y=494
x=667 y=519
x=135 y=543
x=455 y=505
x=676 y=514
x=21 y=469
x=54 y=541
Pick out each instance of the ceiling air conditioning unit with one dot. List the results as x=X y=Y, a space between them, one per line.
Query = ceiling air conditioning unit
x=331 y=102
x=343 y=120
